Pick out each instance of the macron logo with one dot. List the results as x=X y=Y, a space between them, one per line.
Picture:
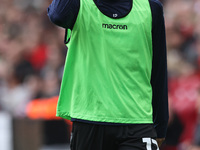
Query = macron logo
x=114 y=26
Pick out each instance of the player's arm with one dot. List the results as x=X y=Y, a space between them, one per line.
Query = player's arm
x=63 y=13
x=159 y=72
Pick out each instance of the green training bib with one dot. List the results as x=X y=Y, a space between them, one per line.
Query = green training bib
x=108 y=67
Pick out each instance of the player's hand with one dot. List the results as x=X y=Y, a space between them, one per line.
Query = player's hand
x=160 y=141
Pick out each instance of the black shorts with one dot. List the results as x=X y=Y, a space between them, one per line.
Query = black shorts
x=86 y=136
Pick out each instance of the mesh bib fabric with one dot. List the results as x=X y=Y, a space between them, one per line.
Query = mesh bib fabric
x=108 y=67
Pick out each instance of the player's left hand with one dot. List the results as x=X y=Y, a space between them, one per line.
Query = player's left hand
x=160 y=141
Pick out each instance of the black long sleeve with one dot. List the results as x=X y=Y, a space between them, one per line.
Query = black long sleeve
x=159 y=70
x=63 y=13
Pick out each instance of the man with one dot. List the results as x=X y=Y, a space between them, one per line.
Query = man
x=114 y=86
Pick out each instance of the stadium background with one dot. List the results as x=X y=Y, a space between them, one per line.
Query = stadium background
x=32 y=56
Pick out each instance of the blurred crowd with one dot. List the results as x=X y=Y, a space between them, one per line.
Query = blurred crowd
x=32 y=55
x=182 y=21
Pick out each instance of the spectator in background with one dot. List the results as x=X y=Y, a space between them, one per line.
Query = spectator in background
x=197 y=131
